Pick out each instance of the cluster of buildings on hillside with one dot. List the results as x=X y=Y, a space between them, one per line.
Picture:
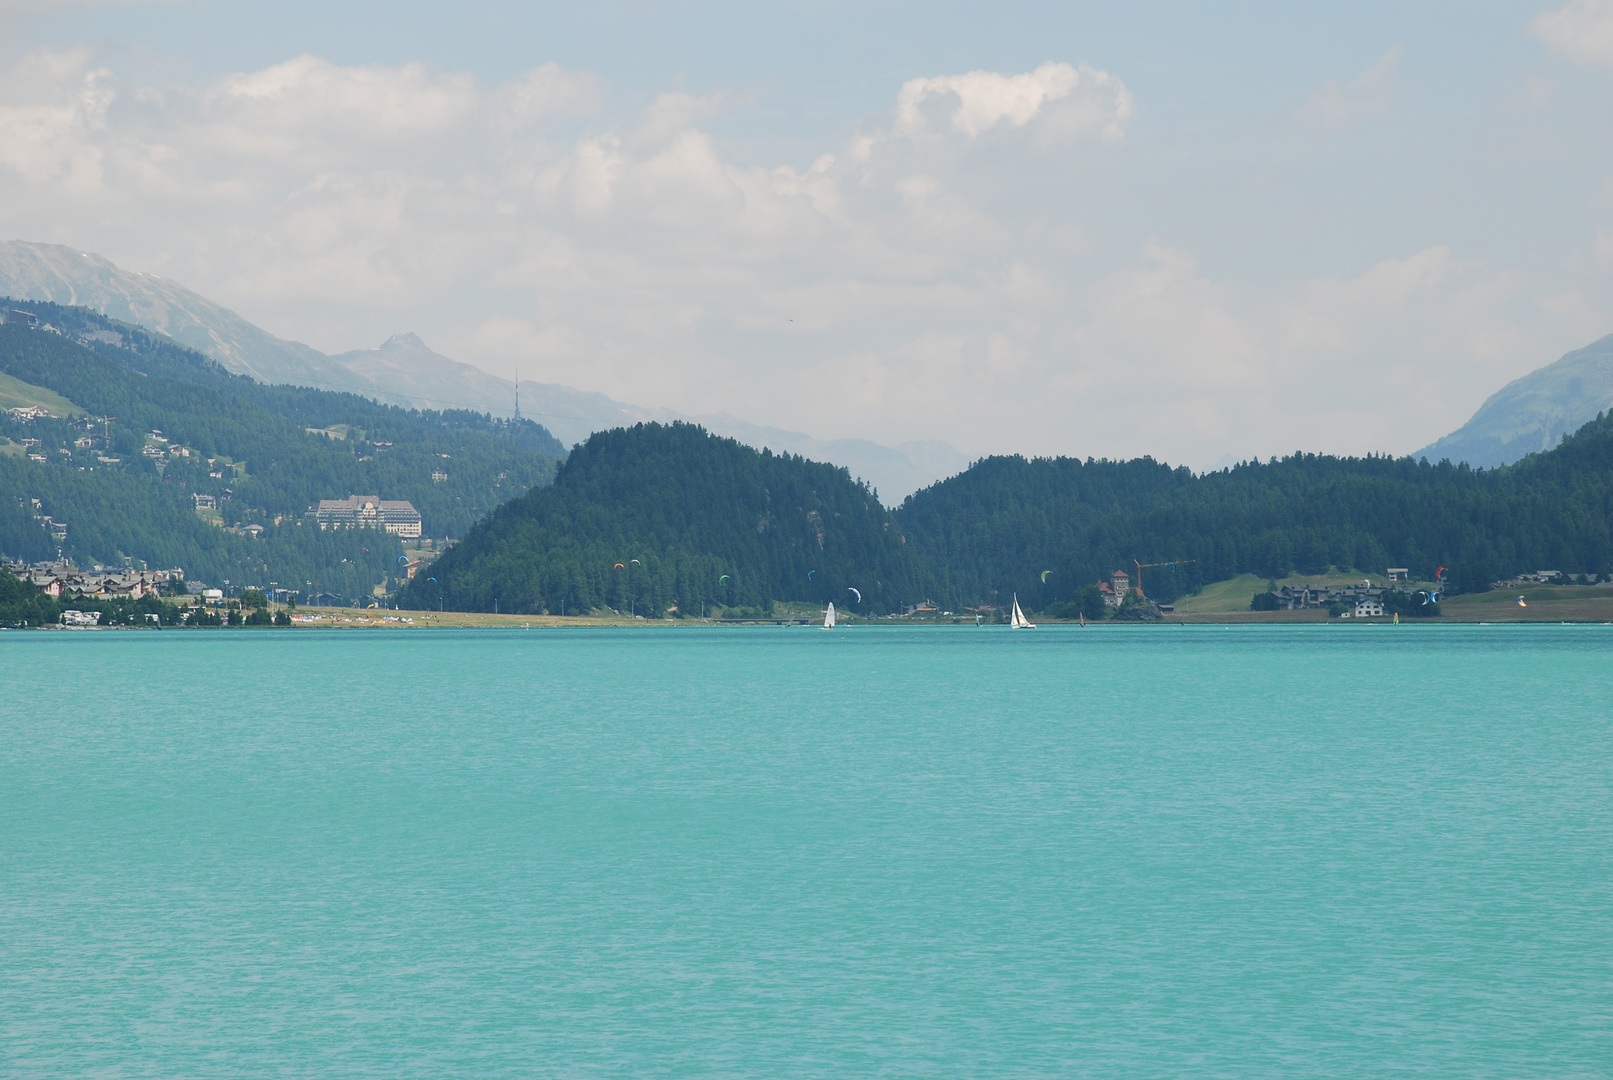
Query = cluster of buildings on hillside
x=397 y=516
x=159 y=448
x=65 y=581
x=1364 y=600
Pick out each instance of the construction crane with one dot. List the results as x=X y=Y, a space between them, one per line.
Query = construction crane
x=1141 y=566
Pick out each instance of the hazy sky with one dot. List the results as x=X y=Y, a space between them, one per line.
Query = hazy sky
x=1199 y=231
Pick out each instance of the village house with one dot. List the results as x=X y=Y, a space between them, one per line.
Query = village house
x=923 y=607
x=45 y=582
x=1114 y=590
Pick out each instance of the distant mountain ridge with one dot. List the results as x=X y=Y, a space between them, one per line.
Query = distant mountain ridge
x=404 y=370
x=407 y=367
x=80 y=279
x=1535 y=412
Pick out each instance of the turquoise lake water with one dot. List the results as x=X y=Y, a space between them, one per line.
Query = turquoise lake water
x=1312 y=851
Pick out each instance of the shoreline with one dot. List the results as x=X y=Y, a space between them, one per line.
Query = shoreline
x=1590 y=610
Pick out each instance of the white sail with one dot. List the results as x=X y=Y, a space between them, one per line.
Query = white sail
x=1017 y=620
x=829 y=617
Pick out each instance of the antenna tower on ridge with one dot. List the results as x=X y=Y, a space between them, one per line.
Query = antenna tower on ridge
x=517 y=392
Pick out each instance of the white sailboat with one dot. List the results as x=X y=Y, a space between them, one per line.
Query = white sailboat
x=829 y=617
x=1017 y=620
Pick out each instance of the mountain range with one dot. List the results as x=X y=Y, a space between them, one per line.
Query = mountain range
x=1533 y=413
x=404 y=370
x=1530 y=414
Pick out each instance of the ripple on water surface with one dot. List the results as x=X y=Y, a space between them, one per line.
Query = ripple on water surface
x=1203 y=851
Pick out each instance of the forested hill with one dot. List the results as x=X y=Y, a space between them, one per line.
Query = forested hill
x=992 y=530
x=660 y=517
x=692 y=508
x=123 y=492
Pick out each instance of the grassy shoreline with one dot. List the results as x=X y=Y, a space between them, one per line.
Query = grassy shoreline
x=1546 y=604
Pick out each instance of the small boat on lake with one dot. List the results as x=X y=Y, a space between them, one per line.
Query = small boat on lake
x=1017 y=620
x=829 y=617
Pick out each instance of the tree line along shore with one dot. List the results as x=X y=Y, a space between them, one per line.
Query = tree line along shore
x=668 y=523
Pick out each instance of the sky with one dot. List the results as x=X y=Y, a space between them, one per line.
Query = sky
x=1200 y=232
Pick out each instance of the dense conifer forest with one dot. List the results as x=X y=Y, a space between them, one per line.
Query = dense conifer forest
x=691 y=509
x=666 y=519
x=251 y=450
x=993 y=529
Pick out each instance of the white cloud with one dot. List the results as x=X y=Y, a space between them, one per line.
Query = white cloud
x=908 y=284
x=53 y=116
x=542 y=93
x=1369 y=93
x=1072 y=101
x=1581 y=30
x=310 y=97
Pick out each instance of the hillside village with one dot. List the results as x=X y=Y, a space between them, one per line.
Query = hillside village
x=63 y=581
